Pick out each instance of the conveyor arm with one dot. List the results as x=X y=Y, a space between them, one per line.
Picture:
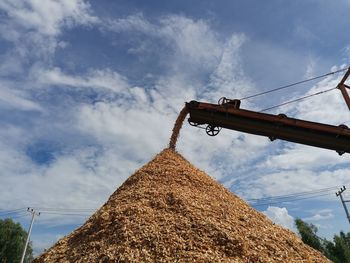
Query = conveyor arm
x=229 y=115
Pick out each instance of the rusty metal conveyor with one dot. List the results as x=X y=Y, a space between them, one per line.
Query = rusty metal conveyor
x=273 y=126
x=228 y=114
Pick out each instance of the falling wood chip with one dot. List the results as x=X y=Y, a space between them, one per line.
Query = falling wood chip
x=169 y=211
x=177 y=127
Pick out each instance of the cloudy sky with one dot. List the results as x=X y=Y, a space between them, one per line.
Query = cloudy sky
x=89 y=91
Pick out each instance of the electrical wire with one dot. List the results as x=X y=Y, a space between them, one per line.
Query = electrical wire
x=24 y=214
x=14 y=216
x=291 y=200
x=21 y=212
x=64 y=209
x=65 y=214
x=14 y=211
x=294 y=195
x=298 y=99
x=294 y=84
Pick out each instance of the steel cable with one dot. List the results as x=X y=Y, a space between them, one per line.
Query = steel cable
x=293 y=84
x=298 y=99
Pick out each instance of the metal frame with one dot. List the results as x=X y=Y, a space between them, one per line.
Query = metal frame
x=342 y=86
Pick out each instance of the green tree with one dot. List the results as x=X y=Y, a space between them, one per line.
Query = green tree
x=338 y=251
x=308 y=233
x=12 y=241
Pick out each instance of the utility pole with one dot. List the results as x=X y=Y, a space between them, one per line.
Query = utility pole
x=339 y=193
x=30 y=210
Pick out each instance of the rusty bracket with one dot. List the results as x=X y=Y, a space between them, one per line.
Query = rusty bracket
x=342 y=86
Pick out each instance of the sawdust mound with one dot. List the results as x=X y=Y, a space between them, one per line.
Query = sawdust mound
x=169 y=211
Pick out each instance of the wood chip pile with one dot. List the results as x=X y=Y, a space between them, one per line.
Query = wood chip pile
x=169 y=211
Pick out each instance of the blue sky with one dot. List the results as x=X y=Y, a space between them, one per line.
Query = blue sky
x=89 y=91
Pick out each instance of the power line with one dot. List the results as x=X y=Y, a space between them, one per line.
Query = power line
x=22 y=212
x=14 y=211
x=293 y=84
x=19 y=215
x=293 y=195
x=290 y=199
x=284 y=201
x=65 y=209
x=298 y=99
x=48 y=209
x=87 y=211
x=65 y=214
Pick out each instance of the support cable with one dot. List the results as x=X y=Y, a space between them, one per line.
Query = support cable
x=294 y=84
x=298 y=99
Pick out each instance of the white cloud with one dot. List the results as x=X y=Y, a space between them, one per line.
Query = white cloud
x=131 y=23
x=295 y=181
x=280 y=216
x=33 y=28
x=301 y=32
x=327 y=108
x=141 y=120
x=15 y=99
x=137 y=131
x=129 y=128
x=295 y=156
x=320 y=215
x=43 y=241
x=228 y=79
x=310 y=68
x=96 y=79
x=346 y=52
x=48 y=16
x=191 y=45
x=195 y=41
x=82 y=179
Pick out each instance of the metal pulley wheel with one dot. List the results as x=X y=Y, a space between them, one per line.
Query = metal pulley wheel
x=222 y=100
x=212 y=130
